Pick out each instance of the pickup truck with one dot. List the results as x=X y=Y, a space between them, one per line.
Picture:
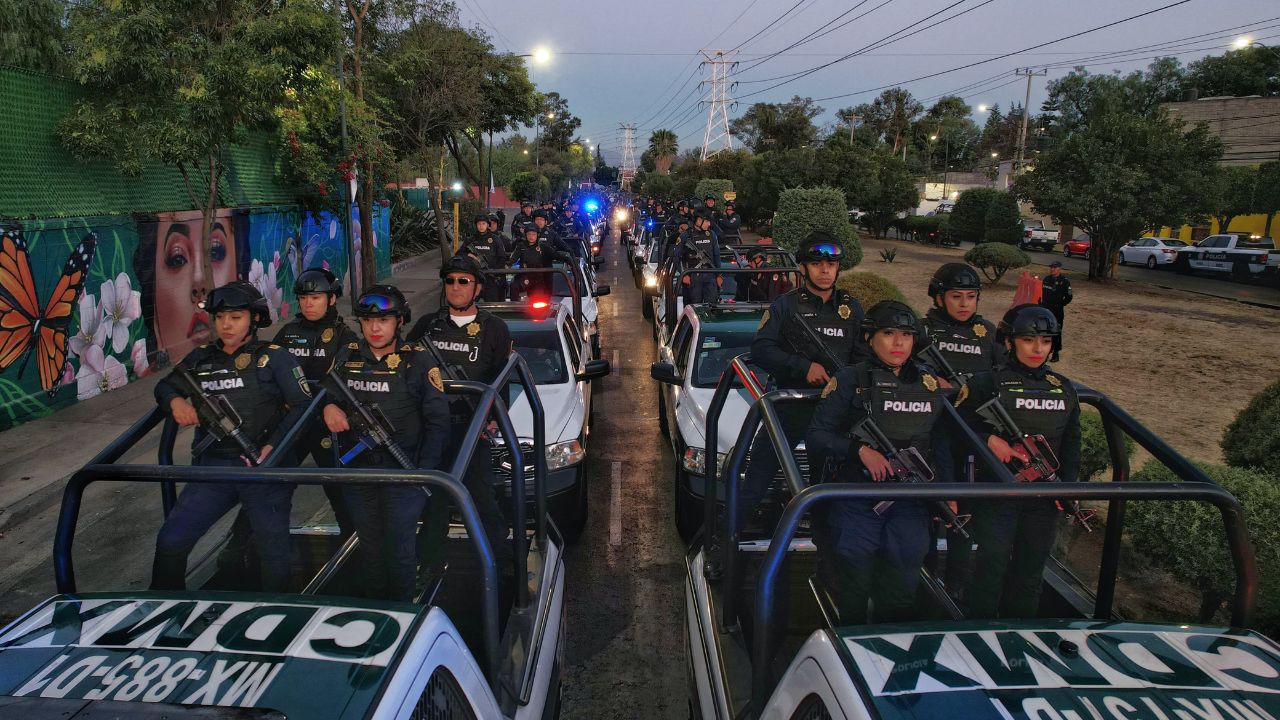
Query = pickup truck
x=1036 y=237
x=1242 y=257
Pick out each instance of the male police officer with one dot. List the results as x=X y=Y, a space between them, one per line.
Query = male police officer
x=407 y=387
x=475 y=345
x=269 y=391
x=901 y=398
x=1015 y=537
x=730 y=223
x=1057 y=296
x=314 y=337
x=489 y=250
x=533 y=253
x=835 y=316
x=765 y=286
x=522 y=218
x=700 y=251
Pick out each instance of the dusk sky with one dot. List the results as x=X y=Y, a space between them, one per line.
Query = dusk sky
x=637 y=62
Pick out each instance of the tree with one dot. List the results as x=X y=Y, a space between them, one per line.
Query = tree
x=663 y=146
x=995 y=259
x=558 y=124
x=1231 y=193
x=1267 y=200
x=778 y=126
x=31 y=35
x=969 y=218
x=891 y=115
x=803 y=210
x=771 y=173
x=605 y=174
x=1237 y=73
x=178 y=83
x=529 y=186
x=1121 y=165
x=659 y=186
x=872 y=179
x=1003 y=223
x=946 y=135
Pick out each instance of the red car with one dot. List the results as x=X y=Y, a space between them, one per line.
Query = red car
x=1079 y=247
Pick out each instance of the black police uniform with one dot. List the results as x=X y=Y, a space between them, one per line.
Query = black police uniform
x=1015 y=537
x=730 y=227
x=837 y=321
x=491 y=250
x=854 y=539
x=315 y=345
x=765 y=286
x=697 y=250
x=476 y=350
x=407 y=387
x=1056 y=297
x=530 y=256
x=269 y=391
x=519 y=222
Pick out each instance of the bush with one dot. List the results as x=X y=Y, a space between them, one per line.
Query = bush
x=969 y=218
x=413 y=231
x=714 y=187
x=529 y=186
x=888 y=255
x=803 y=210
x=996 y=259
x=659 y=186
x=1095 y=454
x=1253 y=438
x=1004 y=220
x=1187 y=539
x=944 y=231
x=868 y=288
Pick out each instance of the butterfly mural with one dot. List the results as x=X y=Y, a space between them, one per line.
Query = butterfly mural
x=25 y=328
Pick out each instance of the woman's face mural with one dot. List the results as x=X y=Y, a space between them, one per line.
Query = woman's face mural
x=184 y=276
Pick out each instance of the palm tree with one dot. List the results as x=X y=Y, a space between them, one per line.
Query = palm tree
x=664 y=146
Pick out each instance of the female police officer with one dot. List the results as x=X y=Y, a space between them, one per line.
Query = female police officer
x=901 y=398
x=1015 y=537
x=268 y=390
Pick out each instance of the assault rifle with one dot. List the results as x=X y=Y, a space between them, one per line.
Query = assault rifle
x=906 y=465
x=217 y=416
x=371 y=427
x=807 y=343
x=1041 y=464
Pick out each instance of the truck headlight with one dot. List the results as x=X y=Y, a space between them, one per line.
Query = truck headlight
x=695 y=460
x=651 y=281
x=564 y=454
x=620 y=216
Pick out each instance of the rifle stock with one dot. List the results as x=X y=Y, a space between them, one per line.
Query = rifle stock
x=217 y=416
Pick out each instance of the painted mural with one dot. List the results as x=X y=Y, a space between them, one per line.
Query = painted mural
x=89 y=304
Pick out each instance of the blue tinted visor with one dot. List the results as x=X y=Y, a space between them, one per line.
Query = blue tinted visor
x=374 y=302
x=825 y=249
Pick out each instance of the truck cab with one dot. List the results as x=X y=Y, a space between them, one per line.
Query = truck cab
x=1242 y=257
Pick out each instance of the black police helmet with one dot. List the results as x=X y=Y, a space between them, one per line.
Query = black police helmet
x=1028 y=321
x=481 y=219
x=491 y=217
x=526 y=204
x=382 y=301
x=704 y=214
x=730 y=204
x=317 y=280
x=239 y=295
x=462 y=263
x=682 y=204
x=712 y=198
x=890 y=315
x=544 y=214
x=954 y=276
x=757 y=253
x=819 y=245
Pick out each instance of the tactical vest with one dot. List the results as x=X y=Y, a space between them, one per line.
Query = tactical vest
x=968 y=347
x=385 y=384
x=237 y=378
x=1037 y=406
x=839 y=329
x=486 y=247
x=701 y=252
x=314 y=345
x=905 y=412
x=458 y=346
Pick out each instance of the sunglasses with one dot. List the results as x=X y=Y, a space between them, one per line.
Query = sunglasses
x=825 y=249
x=377 y=302
x=463 y=281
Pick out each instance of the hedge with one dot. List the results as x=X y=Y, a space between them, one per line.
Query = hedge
x=1004 y=220
x=868 y=288
x=1188 y=539
x=1095 y=454
x=969 y=217
x=714 y=187
x=1253 y=438
x=996 y=259
x=803 y=210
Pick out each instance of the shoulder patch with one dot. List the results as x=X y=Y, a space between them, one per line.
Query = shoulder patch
x=353 y=346
x=763 y=319
x=830 y=387
x=262 y=361
x=407 y=347
x=962 y=395
x=433 y=376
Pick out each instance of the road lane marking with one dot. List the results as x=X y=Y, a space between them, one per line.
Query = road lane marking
x=615 y=366
x=615 y=504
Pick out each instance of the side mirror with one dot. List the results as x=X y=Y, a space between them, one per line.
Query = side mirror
x=595 y=369
x=601 y=291
x=665 y=372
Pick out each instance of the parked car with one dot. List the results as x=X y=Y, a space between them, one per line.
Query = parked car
x=1036 y=237
x=1079 y=247
x=1151 y=251
x=1243 y=257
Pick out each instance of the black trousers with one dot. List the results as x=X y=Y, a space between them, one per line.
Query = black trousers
x=1059 y=313
x=1014 y=539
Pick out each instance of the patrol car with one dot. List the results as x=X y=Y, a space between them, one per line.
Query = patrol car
x=1242 y=257
x=586 y=290
x=316 y=653
x=550 y=339
x=749 y=654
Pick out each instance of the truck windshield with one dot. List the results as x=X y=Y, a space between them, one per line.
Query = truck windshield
x=541 y=350
x=713 y=353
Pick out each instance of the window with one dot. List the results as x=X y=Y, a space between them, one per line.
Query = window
x=714 y=352
x=573 y=338
x=680 y=345
x=443 y=699
x=541 y=350
x=811 y=708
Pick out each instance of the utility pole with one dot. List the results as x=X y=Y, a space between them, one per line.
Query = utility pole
x=1026 y=115
x=718 y=102
x=628 y=154
x=853 y=123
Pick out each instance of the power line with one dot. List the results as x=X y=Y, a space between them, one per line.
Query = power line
x=767 y=26
x=814 y=35
x=733 y=22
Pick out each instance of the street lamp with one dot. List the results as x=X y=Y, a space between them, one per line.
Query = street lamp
x=982 y=108
x=1244 y=41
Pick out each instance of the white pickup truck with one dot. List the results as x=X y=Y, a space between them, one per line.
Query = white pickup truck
x=1242 y=257
x=1036 y=237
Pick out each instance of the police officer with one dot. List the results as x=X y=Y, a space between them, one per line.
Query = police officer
x=865 y=555
x=699 y=249
x=551 y=236
x=407 y=387
x=269 y=391
x=522 y=218
x=835 y=316
x=489 y=250
x=730 y=223
x=534 y=252
x=314 y=337
x=475 y=345
x=1015 y=537
x=968 y=342
x=764 y=286
x=495 y=230
x=1057 y=296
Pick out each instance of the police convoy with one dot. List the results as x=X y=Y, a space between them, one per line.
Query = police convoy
x=442 y=426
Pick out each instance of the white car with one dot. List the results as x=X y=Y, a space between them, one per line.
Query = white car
x=1151 y=251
